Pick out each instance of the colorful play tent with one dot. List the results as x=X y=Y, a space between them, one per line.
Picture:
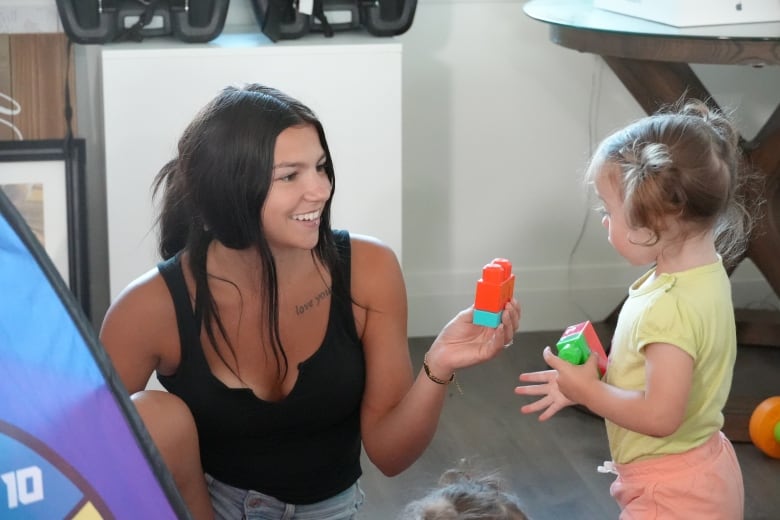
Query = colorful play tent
x=71 y=443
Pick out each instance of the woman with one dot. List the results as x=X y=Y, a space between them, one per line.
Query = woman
x=282 y=342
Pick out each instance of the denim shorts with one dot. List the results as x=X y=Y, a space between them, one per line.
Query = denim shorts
x=231 y=503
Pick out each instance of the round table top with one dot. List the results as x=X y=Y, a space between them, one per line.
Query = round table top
x=583 y=15
x=579 y=25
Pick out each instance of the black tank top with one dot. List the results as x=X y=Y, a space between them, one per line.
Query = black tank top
x=302 y=449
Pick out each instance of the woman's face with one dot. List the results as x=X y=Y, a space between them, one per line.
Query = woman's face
x=300 y=188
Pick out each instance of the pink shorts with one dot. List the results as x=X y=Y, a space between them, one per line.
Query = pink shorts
x=705 y=482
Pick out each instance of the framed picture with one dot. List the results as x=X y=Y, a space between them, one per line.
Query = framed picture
x=44 y=179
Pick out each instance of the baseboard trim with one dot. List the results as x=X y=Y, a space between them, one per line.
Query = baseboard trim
x=549 y=301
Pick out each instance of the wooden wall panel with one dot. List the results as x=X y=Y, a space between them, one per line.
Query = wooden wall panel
x=37 y=65
x=6 y=105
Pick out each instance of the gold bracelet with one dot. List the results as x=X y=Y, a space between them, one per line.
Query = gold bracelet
x=438 y=380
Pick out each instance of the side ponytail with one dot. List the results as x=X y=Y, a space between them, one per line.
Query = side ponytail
x=176 y=216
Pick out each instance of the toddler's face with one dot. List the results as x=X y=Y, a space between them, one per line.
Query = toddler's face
x=626 y=240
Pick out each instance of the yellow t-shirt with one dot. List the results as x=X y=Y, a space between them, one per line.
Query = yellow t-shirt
x=692 y=310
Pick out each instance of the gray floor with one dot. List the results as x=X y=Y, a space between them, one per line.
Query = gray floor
x=551 y=466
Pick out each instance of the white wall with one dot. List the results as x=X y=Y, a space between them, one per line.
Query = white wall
x=497 y=124
x=29 y=16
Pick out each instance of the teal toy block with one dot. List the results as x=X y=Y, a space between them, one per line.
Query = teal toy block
x=487 y=318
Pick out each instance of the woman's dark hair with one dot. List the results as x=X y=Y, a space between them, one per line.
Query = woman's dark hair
x=217 y=185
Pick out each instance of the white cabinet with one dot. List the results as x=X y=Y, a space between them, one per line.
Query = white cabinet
x=152 y=90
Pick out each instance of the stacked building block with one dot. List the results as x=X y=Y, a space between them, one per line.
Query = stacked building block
x=494 y=291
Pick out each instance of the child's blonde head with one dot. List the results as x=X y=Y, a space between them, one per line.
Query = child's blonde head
x=682 y=164
x=464 y=495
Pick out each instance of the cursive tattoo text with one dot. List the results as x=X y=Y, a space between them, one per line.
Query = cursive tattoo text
x=300 y=309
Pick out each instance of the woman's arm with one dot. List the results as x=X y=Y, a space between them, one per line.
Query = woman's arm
x=140 y=334
x=400 y=412
x=139 y=331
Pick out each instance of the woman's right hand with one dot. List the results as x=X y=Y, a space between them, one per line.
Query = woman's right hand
x=461 y=343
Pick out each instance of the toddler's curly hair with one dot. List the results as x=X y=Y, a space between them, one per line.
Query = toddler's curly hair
x=464 y=495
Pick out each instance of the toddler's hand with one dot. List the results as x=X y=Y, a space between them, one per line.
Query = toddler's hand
x=556 y=385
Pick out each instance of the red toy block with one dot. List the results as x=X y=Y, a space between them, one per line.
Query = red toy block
x=496 y=286
x=507 y=288
x=578 y=341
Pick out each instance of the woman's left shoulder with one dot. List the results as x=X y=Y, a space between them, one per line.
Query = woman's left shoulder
x=377 y=281
x=370 y=249
x=375 y=268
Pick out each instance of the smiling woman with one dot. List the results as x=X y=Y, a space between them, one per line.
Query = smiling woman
x=301 y=187
x=282 y=342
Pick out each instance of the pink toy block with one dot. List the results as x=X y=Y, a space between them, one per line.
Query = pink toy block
x=578 y=341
